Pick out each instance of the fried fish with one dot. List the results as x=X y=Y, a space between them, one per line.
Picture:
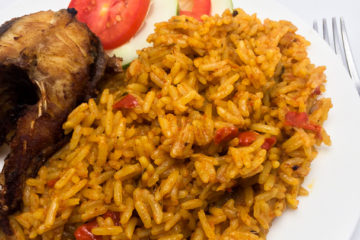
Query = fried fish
x=49 y=63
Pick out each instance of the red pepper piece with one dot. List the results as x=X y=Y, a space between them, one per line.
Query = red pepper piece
x=51 y=183
x=115 y=216
x=127 y=102
x=247 y=138
x=313 y=127
x=225 y=134
x=316 y=91
x=301 y=120
x=296 y=119
x=268 y=143
x=84 y=232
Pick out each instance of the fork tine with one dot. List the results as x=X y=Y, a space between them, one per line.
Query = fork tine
x=335 y=36
x=348 y=54
x=338 y=42
x=325 y=31
x=315 y=26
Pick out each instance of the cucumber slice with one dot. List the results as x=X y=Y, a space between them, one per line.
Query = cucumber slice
x=160 y=11
x=219 y=6
x=178 y=9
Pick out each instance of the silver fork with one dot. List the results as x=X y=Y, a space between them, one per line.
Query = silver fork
x=339 y=43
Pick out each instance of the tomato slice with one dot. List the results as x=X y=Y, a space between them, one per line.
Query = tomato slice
x=114 y=21
x=128 y=102
x=185 y=5
x=200 y=7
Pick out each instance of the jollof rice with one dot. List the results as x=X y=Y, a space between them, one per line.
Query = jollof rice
x=220 y=136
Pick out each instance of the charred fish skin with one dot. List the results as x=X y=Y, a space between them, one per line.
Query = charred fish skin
x=60 y=61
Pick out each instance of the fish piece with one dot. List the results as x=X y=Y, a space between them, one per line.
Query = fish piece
x=49 y=63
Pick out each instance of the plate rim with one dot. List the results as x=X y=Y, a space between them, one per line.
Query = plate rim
x=318 y=45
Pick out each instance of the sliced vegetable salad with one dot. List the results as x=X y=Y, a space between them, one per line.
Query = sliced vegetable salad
x=124 y=25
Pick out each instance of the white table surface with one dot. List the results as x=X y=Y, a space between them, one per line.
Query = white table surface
x=309 y=10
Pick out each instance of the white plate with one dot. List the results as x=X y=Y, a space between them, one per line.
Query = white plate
x=331 y=210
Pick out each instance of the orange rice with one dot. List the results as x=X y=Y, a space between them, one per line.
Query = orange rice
x=158 y=166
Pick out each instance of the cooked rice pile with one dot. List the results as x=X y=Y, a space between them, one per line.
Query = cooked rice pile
x=155 y=171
